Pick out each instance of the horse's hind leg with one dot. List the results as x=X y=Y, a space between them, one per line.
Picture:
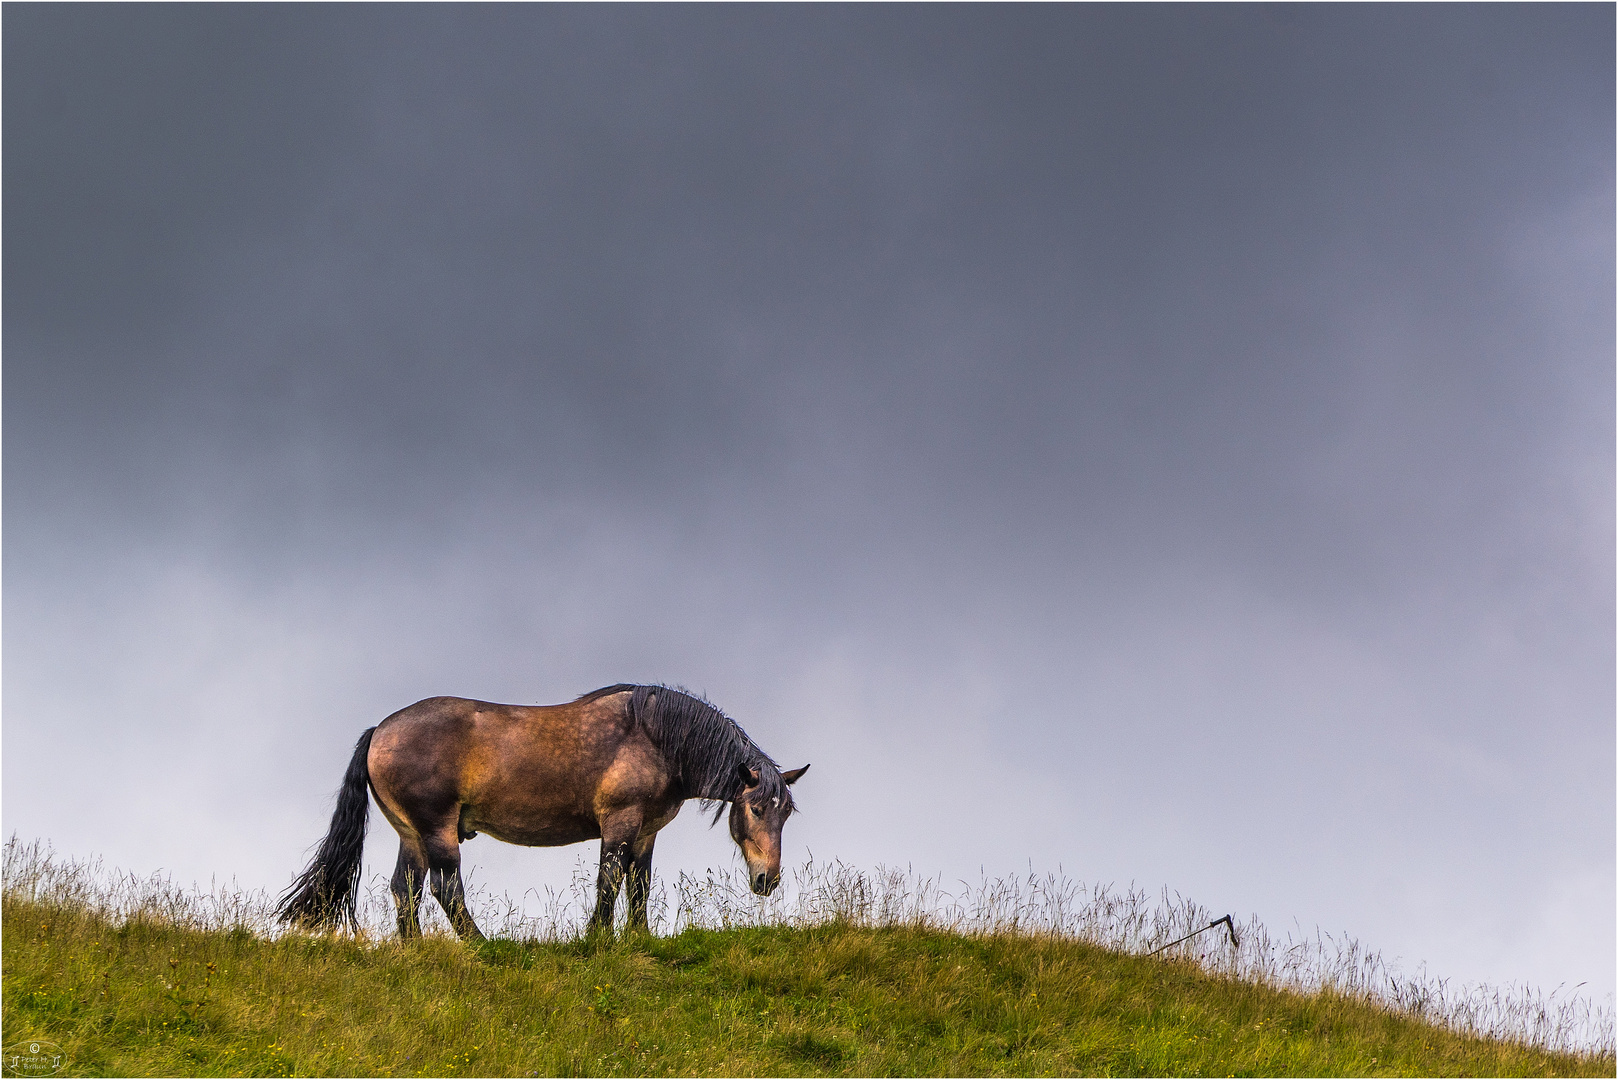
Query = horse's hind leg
x=409 y=875
x=444 y=873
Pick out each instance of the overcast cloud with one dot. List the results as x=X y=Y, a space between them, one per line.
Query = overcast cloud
x=1174 y=444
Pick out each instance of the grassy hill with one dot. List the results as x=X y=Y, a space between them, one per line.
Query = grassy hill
x=846 y=972
x=144 y=996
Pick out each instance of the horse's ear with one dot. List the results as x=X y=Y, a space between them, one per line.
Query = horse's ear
x=792 y=777
x=748 y=774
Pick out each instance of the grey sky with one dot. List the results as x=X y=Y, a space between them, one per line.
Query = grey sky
x=1171 y=443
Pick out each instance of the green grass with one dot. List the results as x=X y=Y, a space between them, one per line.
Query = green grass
x=144 y=995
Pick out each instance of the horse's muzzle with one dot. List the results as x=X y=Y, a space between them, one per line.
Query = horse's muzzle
x=764 y=884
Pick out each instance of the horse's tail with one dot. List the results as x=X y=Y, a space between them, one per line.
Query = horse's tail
x=326 y=894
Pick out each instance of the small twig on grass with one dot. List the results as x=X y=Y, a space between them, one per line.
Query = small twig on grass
x=1228 y=926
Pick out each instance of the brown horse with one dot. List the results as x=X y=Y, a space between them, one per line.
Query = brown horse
x=617 y=764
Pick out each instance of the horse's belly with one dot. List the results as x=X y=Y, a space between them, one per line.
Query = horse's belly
x=539 y=832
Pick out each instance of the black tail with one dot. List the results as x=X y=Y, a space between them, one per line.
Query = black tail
x=326 y=894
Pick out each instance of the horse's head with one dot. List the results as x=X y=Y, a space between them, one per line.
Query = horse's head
x=755 y=825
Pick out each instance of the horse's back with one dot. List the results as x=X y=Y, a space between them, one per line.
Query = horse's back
x=453 y=732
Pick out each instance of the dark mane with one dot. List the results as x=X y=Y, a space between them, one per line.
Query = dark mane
x=705 y=747
x=605 y=691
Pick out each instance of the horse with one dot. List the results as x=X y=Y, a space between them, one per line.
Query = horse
x=616 y=764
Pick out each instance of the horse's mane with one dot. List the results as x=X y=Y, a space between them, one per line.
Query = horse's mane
x=704 y=747
x=605 y=691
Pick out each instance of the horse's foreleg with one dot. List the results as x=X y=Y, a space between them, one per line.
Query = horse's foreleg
x=409 y=874
x=444 y=873
x=640 y=881
x=615 y=860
